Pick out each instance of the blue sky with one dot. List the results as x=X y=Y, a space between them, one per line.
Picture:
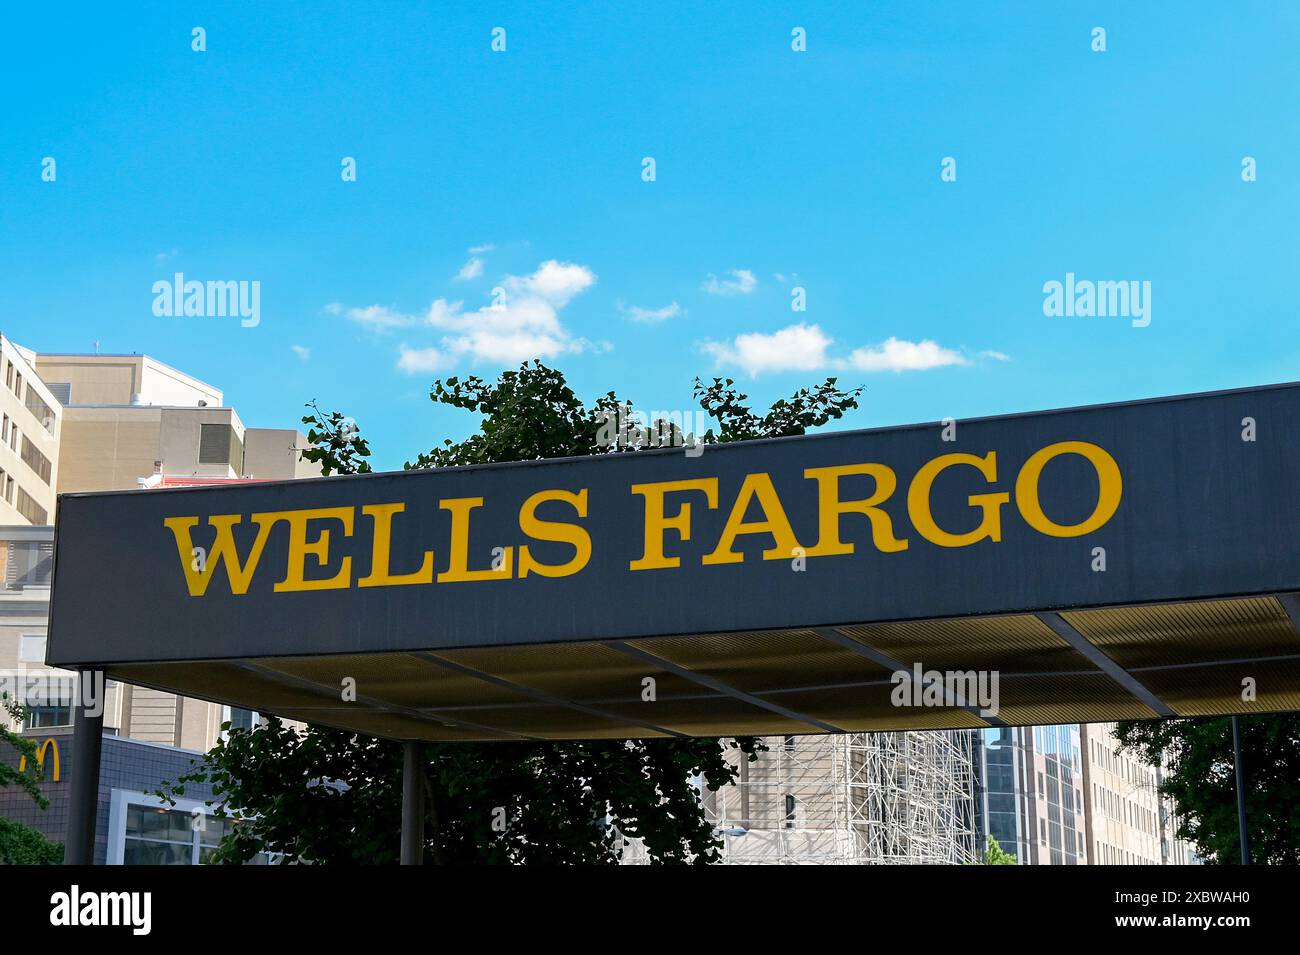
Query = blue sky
x=774 y=169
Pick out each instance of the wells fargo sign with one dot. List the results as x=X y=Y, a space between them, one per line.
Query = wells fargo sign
x=1167 y=499
x=666 y=509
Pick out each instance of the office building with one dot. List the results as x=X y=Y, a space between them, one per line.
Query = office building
x=1029 y=793
x=112 y=422
x=29 y=433
x=1065 y=795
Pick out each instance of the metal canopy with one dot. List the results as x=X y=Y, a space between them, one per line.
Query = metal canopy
x=1111 y=562
x=1186 y=659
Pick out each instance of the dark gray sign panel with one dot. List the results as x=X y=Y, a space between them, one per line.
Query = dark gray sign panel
x=1177 y=498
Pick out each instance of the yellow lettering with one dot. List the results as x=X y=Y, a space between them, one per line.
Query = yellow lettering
x=1111 y=488
x=222 y=552
x=830 y=508
x=774 y=523
x=918 y=501
x=458 y=570
x=300 y=547
x=381 y=574
x=656 y=524
x=571 y=534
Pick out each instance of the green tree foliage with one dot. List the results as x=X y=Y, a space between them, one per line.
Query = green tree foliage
x=1199 y=777
x=19 y=844
x=328 y=796
x=994 y=854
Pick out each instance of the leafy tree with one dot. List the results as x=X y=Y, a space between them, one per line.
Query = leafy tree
x=330 y=796
x=1199 y=776
x=19 y=844
x=994 y=854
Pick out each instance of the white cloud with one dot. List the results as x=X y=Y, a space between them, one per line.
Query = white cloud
x=470 y=270
x=415 y=360
x=302 y=351
x=521 y=324
x=806 y=347
x=742 y=282
x=651 y=315
x=162 y=257
x=379 y=318
x=795 y=348
x=556 y=282
x=895 y=354
x=480 y=249
x=995 y=355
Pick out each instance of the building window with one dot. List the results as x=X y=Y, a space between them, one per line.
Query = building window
x=31 y=648
x=40 y=410
x=35 y=460
x=142 y=830
x=48 y=714
x=29 y=509
x=9 y=374
x=789 y=744
x=158 y=836
x=18 y=385
x=789 y=811
x=241 y=719
x=9 y=489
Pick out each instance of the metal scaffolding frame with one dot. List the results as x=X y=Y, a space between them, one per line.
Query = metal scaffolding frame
x=852 y=799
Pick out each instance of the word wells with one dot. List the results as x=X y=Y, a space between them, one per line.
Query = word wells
x=951 y=501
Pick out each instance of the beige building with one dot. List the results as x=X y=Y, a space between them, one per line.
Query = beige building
x=127 y=418
x=1128 y=823
x=111 y=422
x=30 y=421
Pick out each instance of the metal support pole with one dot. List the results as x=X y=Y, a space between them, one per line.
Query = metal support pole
x=1244 y=833
x=87 y=741
x=412 y=805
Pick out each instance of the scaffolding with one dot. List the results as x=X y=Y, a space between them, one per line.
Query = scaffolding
x=853 y=799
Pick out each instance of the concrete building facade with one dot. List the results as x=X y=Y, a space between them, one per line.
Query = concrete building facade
x=30 y=424
x=1065 y=795
x=111 y=422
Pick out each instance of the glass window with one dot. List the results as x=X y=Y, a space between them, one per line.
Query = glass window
x=157 y=836
x=40 y=410
x=241 y=719
x=48 y=714
x=31 y=648
x=29 y=509
x=35 y=460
